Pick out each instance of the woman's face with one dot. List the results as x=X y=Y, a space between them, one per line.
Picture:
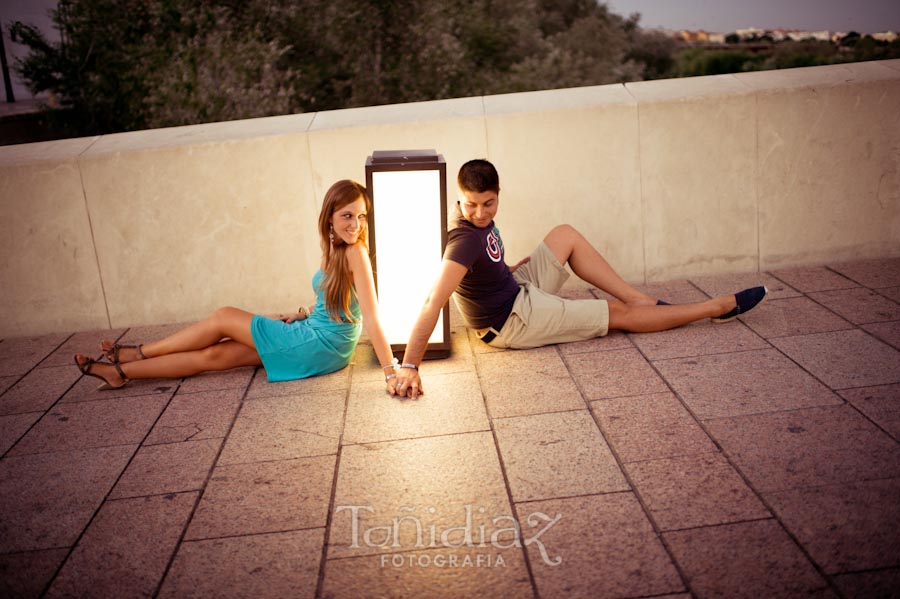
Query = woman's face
x=349 y=221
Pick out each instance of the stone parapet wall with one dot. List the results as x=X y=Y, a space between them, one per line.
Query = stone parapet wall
x=669 y=179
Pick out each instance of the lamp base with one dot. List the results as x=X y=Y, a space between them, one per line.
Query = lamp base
x=434 y=351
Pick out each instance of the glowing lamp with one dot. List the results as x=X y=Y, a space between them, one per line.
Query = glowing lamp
x=407 y=235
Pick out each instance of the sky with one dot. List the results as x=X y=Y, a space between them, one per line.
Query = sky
x=725 y=16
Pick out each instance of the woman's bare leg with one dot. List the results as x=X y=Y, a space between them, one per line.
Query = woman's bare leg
x=649 y=319
x=568 y=245
x=228 y=322
x=219 y=356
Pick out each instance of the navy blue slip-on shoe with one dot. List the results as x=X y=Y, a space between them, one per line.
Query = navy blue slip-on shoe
x=662 y=303
x=746 y=301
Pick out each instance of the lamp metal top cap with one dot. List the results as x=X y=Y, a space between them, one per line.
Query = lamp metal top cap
x=402 y=156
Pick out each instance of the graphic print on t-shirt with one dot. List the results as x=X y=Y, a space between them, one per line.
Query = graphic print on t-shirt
x=494 y=245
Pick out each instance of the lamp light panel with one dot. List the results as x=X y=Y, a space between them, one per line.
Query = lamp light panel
x=407 y=230
x=407 y=234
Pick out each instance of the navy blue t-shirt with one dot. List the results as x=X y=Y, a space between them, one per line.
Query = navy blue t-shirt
x=488 y=290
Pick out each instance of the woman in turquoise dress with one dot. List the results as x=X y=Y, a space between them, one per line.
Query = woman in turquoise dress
x=313 y=341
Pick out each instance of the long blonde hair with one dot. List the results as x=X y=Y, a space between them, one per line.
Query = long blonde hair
x=338 y=284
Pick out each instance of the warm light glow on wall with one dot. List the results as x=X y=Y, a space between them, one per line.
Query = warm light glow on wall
x=407 y=236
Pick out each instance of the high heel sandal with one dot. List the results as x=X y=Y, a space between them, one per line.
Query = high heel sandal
x=85 y=368
x=112 y=354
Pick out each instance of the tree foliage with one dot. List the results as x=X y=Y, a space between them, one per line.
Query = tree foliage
x=212 y=72
x=736 y=58
x=131 y=64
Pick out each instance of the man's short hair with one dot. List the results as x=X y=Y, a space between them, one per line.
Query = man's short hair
x=479 y=176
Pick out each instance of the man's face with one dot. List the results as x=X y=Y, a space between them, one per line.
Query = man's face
x=479 y=207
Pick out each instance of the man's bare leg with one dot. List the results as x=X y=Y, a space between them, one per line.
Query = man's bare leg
x=649 y=319
x=570 y=246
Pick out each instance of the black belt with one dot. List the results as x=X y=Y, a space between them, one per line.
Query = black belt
x=490 y=335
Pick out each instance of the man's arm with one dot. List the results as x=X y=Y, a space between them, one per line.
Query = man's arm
x=408 y=380
x=521 y=262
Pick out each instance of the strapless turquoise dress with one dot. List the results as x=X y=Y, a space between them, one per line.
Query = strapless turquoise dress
x=309 y=347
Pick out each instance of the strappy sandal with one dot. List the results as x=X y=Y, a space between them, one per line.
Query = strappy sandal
x=85 y=368
x=112 y=354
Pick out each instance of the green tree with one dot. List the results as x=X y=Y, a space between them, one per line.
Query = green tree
x=130 y=64
x=697 y=61
x=214 y=72
x=582 y=44
x=656 y=51
x=394 y=51
x=850 y=39
x=801 y=54
x=92 y=69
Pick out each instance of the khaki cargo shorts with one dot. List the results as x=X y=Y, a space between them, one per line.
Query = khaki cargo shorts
x=539 y=317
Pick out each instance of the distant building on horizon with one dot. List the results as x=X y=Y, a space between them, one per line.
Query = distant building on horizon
x=886 y=36
x=776 y=35
x=822 y=36
x=749 y=32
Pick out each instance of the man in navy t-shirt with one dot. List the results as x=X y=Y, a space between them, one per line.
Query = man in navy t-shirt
x=517 y=307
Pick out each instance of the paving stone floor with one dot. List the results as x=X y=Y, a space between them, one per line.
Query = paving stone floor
x=758 y=458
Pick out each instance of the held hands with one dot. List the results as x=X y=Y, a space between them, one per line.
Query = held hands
x=405 y=383
x=524 y=260
x=409 y=384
